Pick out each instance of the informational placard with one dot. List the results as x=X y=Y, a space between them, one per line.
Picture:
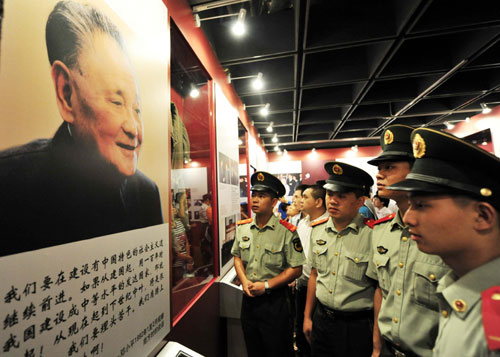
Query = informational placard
x=84 y=177
x=228 y=175
x=107 y=296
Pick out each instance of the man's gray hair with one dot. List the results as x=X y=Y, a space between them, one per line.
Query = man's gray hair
x=71 y=26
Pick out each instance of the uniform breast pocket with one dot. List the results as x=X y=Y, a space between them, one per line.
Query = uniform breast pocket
x=425 y=279
x=382 y=265
x=245 y=251
x=355 y=266
x=273 y=256
x=320 y=259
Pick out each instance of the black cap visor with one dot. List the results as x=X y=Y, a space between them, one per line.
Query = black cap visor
x=337 y=187
x=262 y=188
x=392 y=156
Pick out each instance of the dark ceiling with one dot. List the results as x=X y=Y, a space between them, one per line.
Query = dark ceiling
x=337 y=72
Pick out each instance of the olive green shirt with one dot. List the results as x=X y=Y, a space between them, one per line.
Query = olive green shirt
x=461 y=333
x=408 y=278
x=341 y=259
x=267 y=252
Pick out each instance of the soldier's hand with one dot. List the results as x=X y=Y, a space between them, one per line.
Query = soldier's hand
x=307 y=328
x=258 y=288
x=246 y=287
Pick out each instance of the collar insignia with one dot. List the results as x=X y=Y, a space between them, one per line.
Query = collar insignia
x=418 y=146
x=381 y=249
x=245 y=239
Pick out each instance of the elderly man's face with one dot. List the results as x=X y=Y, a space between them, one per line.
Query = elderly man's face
x=107 y=112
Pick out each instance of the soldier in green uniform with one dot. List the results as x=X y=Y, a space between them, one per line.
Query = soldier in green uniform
x=338 y=317
x=267 y=257
x=454 y=213
x=406 y=305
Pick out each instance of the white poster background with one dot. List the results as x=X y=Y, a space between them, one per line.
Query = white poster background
x=106 y=296
x=227 y=144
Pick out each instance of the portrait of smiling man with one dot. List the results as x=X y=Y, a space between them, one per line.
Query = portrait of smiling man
x=84 y=182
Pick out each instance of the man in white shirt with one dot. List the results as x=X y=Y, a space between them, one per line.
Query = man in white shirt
x=297 y=202
x=313 y=205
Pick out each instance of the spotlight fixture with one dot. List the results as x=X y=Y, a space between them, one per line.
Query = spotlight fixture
x=240 y=142
x=449 y=125
x=280 y=152
x=264 y=111
x=467 y=119
x=238 y=28
x=194 y=93
x=486 y=109
x=275 y=138
x=354 y=148
x=277 y=148
x=269 y=129
x=258 y=83
x=285 y=151
x=484 y=143
x=313 y=150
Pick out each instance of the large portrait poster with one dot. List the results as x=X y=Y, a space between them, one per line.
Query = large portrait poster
x=84 y=105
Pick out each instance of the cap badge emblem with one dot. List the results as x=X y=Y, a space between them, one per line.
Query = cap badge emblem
x=388 y=137
x=418 y=146
x=486 y=192
x=260 y=176
x=337 y=170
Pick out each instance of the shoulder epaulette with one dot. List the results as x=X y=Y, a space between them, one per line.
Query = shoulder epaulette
x=372 y=223
x=288 y=225
x=321 y=221
x=491 y=317
x=244 y=221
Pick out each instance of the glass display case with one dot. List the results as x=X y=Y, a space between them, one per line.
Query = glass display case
x=192 y=213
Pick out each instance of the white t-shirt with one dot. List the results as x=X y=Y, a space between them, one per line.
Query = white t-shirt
x=304 y=230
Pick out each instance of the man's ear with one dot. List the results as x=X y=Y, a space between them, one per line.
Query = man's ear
x=486 y=216
x=319 y=202
x=61 y=76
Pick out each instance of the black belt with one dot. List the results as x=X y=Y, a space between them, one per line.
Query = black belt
x=397 y=351
x=347 y=315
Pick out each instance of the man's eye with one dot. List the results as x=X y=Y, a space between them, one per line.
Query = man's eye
x=116 y=102
x=138 y=111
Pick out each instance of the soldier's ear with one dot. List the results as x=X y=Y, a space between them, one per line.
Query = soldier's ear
x=61 y=76
x=486 y=217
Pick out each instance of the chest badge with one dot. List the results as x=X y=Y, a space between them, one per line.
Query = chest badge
x=245 y=239
x=320 y=242
x=297 y=245
x=381 y=249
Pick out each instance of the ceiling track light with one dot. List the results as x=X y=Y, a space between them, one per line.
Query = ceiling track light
x=467 y=119
x=449 y=125
x=238 y=28
x=194 y=92
x=269 y=129
x=486 y=109
x=354 y=148
x=257 y=83
x=275 y=138
x=265 y=110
